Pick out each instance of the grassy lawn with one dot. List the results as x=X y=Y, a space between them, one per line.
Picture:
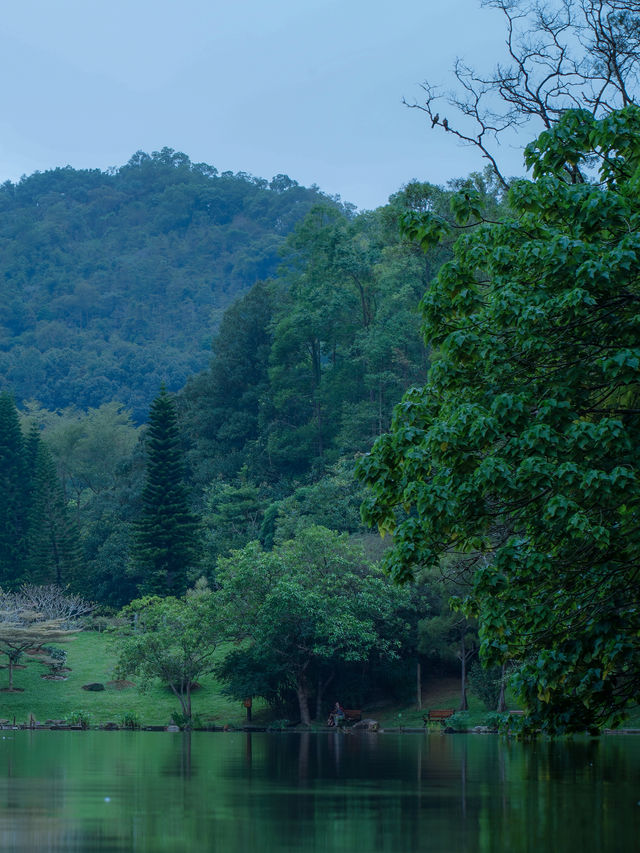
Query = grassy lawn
x=443 y=693
x=91 y=658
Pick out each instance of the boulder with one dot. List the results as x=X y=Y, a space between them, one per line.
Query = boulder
x=366 y=725
x=94 y=686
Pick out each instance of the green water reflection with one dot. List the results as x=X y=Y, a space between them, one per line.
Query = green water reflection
x=121 y=791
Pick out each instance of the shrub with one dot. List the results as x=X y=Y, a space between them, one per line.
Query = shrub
x=80 y=718
x=130 y=720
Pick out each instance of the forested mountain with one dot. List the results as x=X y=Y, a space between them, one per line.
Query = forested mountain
x=113 y=282
x=258 y=449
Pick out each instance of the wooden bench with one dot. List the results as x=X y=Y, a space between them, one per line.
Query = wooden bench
x=350 y=716
x=438 y=715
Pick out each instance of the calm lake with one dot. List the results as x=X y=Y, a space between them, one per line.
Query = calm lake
x=232 y=792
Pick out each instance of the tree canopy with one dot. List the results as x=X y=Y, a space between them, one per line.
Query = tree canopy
x=172 y=639
x=519 y=455
x=303 y=610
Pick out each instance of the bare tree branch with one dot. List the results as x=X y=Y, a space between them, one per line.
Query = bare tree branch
x=561 y=55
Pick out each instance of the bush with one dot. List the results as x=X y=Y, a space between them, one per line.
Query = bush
x=186 y=722
x=485 y=683
x=130 y=720
x=80 y=718
x=278 y=725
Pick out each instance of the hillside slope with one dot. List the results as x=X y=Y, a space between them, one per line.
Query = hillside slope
x=113 y=282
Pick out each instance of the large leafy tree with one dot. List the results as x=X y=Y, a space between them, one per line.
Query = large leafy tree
x=303 y=610
x=171 y=639
x=167 y=541
x=520 y=454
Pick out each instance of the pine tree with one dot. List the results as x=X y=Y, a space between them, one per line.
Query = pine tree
x=13 y=494
x=167 y=542
x=53 y=552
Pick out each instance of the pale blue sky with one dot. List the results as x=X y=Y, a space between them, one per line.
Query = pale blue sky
x=311 y=88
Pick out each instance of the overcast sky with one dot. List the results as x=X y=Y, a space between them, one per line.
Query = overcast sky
x=310 y=88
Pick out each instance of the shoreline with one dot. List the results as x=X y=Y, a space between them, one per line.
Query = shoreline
x=113 y=727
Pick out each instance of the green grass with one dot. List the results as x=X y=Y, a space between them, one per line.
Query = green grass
x=91 y=657
x=443 y=693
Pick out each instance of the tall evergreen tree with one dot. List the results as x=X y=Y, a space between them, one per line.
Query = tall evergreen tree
x=13 y=493
x=166 y=542
x=53 y=551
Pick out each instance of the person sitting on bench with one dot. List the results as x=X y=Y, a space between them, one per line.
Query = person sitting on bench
x=336 y=716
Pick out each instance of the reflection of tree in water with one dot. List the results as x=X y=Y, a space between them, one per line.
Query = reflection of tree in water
x=269 y=793
x=178 y=762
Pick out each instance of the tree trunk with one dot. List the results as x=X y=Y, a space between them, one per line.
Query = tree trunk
x=419 y=685
x=183 y=695
x=502 y=705
x=188 y=701
x=302 y=692
x=321 y=687
x=464 y=705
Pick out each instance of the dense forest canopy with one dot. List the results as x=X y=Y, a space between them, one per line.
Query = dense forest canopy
x=257 y=449
x=305 y=369
x=114 y=282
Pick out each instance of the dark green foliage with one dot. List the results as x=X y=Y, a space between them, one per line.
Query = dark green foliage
x=112 y=281
x=14 y=492
x=232 y=517
x=485 y=683
x=166 y=541
x=308 y=366
x=108 y=520
x=221 y=407
x=53 y=551
x=252 y=671
x=446 y=637
x=111 y=577
x=332 y=502
x=304 y=612
x=39 y=542
x=520 y=454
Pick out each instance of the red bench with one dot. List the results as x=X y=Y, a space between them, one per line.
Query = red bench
x=438 y=715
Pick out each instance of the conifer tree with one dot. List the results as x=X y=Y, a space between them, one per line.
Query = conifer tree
x=167 y=542
x=13 y=493
x=53 y=553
